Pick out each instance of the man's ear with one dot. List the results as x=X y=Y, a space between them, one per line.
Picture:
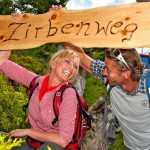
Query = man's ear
x=127 y=74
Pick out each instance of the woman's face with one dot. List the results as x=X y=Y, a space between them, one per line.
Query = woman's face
x=66 y=68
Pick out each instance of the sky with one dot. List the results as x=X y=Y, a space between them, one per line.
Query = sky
x=87 y=4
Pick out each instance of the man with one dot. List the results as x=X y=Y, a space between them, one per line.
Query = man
x=124 y=71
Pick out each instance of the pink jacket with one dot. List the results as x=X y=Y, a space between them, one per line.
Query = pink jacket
x=41 y=112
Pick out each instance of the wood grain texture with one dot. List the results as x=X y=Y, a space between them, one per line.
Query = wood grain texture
x=124 y=26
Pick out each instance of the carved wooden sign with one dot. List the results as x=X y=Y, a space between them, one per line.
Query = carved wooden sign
x=124 y=26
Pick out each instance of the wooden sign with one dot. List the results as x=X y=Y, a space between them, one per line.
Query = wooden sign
x=124 y=26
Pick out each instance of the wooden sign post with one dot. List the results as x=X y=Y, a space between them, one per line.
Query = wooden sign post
x=124 y=26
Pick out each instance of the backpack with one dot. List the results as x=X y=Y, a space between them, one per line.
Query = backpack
x=146 y=60
x=82 y=121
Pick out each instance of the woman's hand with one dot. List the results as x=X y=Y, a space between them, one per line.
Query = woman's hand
x=55 y=7
x=15 y=15
x=18 y=133
x=4 y=55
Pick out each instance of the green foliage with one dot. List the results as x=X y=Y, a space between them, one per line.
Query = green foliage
x=6 y=7
x=99 y=54
x=28 y=6
x=38 y=6
x=11 y=103
x=93 y=90
x=37 y=66
x=38 y=57
x=8 y=143
x=94 y=87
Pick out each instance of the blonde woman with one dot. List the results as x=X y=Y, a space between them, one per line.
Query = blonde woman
x=63 y=66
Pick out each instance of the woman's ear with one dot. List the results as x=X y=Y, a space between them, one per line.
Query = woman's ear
x=52 y=64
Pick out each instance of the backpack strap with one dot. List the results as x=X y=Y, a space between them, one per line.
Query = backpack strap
x=33 y=85
x=57 y=100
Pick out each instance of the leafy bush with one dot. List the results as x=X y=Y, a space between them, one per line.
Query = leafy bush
x=11 y=103
x=94 y=87
x=93 y=90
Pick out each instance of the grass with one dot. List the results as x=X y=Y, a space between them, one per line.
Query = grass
x=118 y=143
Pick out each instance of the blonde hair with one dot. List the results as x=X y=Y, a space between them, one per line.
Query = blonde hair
x=61 y=55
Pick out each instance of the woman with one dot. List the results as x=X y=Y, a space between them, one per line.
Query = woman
x=63 y=66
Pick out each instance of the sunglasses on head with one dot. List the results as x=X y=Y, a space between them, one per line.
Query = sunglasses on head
x=118 y=55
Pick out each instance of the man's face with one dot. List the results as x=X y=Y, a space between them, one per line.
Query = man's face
x=114 y=76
